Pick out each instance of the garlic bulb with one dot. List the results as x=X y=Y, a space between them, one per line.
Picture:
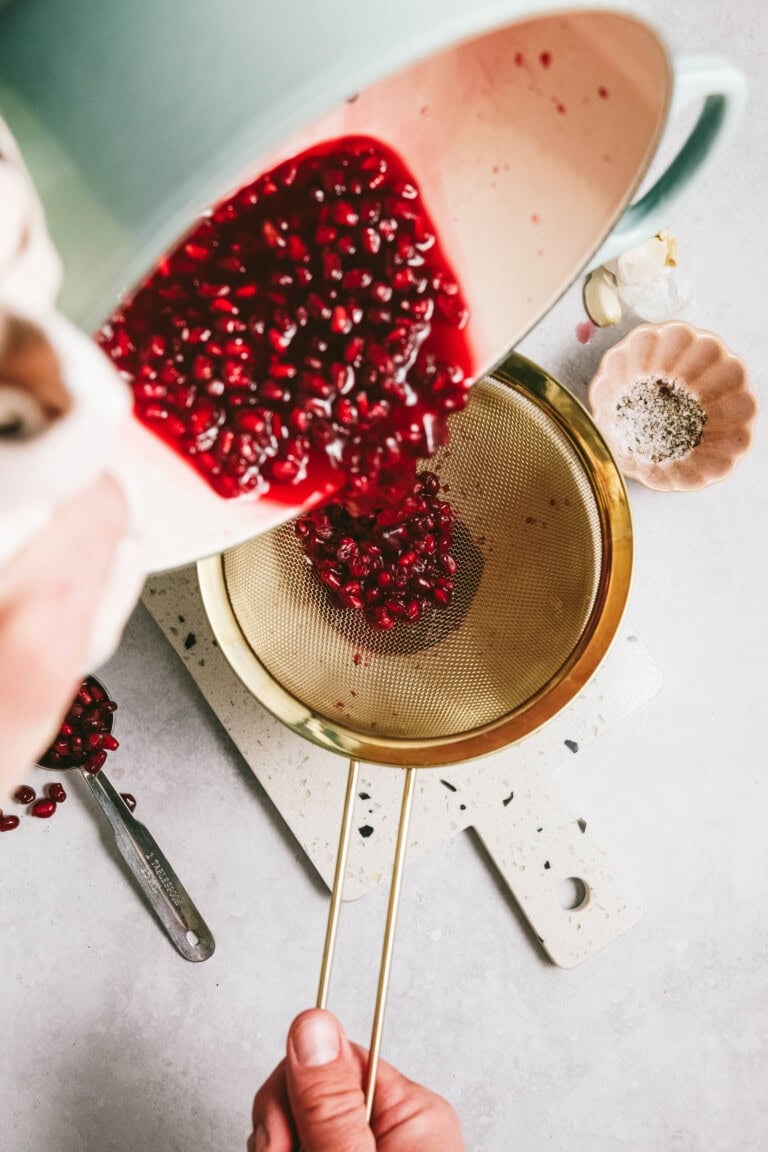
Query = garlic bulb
x=642 y=264
x=664 y=298
x=644 y=278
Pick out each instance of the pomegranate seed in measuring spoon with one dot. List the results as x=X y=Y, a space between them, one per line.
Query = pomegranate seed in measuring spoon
x=83 y=741
x=85 y=735
x=95 y=762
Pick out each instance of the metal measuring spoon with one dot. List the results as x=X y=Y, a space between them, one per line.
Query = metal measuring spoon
x=186 y=928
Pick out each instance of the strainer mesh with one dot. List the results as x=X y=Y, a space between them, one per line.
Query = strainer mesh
x=529 y=552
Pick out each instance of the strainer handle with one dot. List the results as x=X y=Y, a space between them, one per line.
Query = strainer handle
x=337 y=891
x=388 y=944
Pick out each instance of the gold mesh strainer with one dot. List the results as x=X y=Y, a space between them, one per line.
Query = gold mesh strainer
x=544 y=550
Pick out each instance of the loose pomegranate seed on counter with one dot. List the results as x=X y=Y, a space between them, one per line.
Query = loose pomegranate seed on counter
x=8 y=823
x=128 y=800
x=309 y=324
x=84 y=736
x=57 y=793
x=393 y=564
x=44 y=809
x=24 y=794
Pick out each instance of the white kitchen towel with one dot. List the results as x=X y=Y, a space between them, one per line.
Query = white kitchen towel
x=50 y=458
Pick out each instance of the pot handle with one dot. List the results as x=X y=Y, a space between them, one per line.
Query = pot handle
x=723 y=88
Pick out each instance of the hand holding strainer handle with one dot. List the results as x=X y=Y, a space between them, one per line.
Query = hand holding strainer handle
x=543 y=602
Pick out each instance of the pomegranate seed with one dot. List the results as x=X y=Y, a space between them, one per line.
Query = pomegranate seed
x=381 y=619
x=196 y=251
x=272 y=236
x=371 y=241
x=129 y=801
x=341 y=321
x=202 y=368
x=57 y=793
x=225 y=306
x=95 y=762
x=24 y=794
x=44 y=809
x=452 y=310
x=8 y=823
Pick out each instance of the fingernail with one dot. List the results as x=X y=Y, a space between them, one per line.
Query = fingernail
x=262 y=1139
x=316 y=1040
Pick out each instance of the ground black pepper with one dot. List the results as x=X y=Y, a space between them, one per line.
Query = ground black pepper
x=659 y=419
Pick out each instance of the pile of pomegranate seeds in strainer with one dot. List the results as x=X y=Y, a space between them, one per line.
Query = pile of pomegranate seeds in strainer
x=309 y=322
x=391 y=564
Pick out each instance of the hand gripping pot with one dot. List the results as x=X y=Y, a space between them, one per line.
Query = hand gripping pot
x=527 y=131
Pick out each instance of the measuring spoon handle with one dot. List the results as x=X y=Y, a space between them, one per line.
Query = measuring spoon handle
x=185 y=926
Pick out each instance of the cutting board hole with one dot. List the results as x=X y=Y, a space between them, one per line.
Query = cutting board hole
x=572 y=893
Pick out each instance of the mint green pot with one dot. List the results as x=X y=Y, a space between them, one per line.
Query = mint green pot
x=135 y=116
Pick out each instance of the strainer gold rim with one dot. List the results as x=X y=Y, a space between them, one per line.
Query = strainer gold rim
x=612 y=503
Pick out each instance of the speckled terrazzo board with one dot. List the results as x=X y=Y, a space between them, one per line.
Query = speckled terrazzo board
x=532 y=837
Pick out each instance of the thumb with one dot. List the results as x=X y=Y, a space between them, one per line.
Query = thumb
x=324 y=1088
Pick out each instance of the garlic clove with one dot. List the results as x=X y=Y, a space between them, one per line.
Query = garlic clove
x=642 y=264
x=601 y=298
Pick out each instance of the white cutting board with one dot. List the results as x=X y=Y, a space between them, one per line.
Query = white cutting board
x=534 y=840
